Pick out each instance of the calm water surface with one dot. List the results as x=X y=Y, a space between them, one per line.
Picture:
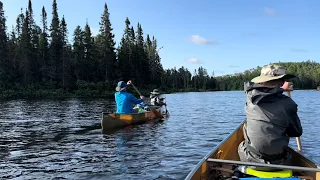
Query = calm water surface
x=62 y=139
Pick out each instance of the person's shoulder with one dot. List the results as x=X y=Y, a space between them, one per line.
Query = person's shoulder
x=288 y=102
x=127 y=93
x=120 y=93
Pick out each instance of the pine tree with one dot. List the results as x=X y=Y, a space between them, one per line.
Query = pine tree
x=78 y=51
x=154 y=60
x=35 y=33
x=142 y=71
x=106 y=46
x=125 y=52
x=66 y=55
x=26 y=50
x=91 y=65
x=133 y=56
x=44 y=48
x=3 y=32
x=56 y=46
x=18 y=51
x=5 y=72
x=13 y=54
x=19 y=24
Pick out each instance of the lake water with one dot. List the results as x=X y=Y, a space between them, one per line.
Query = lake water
x=62 y=138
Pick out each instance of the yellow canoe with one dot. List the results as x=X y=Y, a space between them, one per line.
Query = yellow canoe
x=113 y=121
x=223 y=158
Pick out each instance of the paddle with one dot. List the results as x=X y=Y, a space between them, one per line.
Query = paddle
x=158 y=114
x=165 y=105
x=288 y=87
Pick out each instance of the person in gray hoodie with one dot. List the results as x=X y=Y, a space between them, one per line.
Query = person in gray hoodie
x=271 y=118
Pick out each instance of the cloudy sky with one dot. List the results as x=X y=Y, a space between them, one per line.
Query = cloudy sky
x=222 y=36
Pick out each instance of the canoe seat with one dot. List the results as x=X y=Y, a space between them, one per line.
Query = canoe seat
x=284 y=173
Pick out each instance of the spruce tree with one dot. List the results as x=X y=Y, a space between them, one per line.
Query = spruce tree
x=56 y=46
x=44 y=48
x=26 y=52
x=125 y=52
x=35 y=33
x=4 y=59
x=106 y=46
x=78 y=53
x=65 y=56
x=143 y=70
x=13 y=55
x=90 y=60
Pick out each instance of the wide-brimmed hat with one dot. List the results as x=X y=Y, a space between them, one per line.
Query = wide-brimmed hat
x=155 y=91
x=121 y=86
x=272 y=72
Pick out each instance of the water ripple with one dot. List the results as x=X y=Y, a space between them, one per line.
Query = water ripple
x=61 y=139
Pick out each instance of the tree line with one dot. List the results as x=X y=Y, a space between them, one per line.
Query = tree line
x=38 y=60
x=307 y=72
x=41 y=57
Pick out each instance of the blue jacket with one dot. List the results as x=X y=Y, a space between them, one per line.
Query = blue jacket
x=124 y=101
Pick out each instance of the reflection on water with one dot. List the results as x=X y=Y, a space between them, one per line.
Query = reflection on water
x=62 y=138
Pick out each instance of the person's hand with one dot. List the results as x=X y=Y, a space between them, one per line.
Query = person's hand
x=129 y=82
x=141 y=97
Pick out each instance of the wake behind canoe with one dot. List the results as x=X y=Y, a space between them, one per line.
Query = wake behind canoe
x=221 y=162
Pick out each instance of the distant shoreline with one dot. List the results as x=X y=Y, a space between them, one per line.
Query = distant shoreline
x=82 y=93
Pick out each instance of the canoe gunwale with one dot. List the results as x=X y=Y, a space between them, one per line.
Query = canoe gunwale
x=299 y=168
x=106 y=113
x=204 y=159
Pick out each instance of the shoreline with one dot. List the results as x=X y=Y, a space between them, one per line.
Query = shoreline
x=85 y=93
x=14 y=94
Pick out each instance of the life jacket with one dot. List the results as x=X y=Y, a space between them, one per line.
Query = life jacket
x=155 y=100
x=285 y=173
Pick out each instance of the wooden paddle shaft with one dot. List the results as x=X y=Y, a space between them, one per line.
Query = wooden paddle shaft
x=297 y=138
x=158 y=114
x=136 y=89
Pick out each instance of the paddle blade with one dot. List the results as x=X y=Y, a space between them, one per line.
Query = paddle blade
x=168 y=114
x=158 y=114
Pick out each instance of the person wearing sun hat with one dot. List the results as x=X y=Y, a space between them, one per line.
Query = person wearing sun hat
x=124 y=100
x=155 y=99
x=271 y=118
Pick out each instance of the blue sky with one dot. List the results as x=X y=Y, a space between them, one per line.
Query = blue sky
x=222 y=36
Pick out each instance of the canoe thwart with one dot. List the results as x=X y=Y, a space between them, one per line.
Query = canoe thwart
x=297 y=168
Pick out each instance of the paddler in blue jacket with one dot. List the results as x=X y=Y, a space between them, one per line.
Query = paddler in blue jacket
x=124 y=100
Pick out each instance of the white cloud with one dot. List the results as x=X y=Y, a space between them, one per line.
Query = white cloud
x=270 y=11
x=196 y=39
x=194 y=61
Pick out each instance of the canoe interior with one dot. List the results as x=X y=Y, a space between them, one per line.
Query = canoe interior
x=113 y=121
x=228 y=150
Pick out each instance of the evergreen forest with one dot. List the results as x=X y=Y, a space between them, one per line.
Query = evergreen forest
x=37 y=60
